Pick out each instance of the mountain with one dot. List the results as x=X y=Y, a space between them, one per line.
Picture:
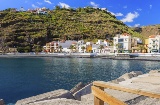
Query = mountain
x=31 y=29
x=148 y=30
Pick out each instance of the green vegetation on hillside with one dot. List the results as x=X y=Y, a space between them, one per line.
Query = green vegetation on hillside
x=26 y=30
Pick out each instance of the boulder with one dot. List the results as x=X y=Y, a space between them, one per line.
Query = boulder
x=154 y=71
x=61 y=93
x=136 y=73
x=79 y=86
x=85 y=90
x=127 y=76
x=2 y=102
x=116 y=81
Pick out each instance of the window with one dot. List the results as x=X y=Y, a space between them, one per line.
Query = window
x=120 y=40
x=120 y=45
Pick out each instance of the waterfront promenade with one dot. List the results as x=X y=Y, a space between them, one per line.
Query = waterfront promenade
x=134 y=80
x=131 y=56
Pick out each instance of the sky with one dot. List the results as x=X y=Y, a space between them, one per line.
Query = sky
x=134 y=13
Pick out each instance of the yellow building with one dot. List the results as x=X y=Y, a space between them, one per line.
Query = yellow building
x=89 y=48
x=146 y=44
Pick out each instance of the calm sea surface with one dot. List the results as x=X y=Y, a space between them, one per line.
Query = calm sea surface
x=24 y=77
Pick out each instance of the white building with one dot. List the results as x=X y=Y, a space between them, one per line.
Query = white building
x=81 y=46
x=154 y=43
x=100 y=42
x=122 y=43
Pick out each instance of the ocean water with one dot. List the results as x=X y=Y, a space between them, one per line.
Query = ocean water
x=24 y=77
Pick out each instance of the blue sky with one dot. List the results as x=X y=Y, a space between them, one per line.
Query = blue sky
x=131 y=12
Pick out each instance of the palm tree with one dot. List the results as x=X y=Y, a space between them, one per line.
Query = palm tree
x=72 y=47
x=101 y=47
x=83 y=48
x=141 y=48
x=118 y=47
x=60 y=48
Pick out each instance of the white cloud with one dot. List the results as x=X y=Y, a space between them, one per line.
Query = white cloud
x=116 y=14
x=64 y=5
x=139 y=9
x=130 y=16
x=136 y=25
x=150 y=6
x=47 y=1
x=94 y=4
x=39 y=3
x=34 y=6
x=125 y=6
x=104 y=9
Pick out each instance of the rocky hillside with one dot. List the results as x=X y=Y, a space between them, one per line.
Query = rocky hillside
x=28 y=30
x=148 y=30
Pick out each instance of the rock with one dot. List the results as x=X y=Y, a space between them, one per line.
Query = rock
x=2 y=102
x=116 y=81
x=79 y=86
x=85 y=90
x=61 y=93
x=154 y=71
x=136 y=73
x=127 y=76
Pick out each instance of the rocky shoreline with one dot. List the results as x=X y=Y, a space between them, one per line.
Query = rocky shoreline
x=81 y=94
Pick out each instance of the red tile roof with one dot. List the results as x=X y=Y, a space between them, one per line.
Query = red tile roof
x=152 y=36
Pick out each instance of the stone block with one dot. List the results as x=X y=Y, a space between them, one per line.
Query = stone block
x=127 y=76
x=154 y=71
x=85 y=90
x=136 y=73
x=79 y=86
x=116 y=81
x=61 y=93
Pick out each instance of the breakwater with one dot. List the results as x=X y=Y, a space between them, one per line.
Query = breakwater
x=141 y=58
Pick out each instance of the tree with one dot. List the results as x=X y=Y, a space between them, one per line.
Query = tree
x=83 y=48
x=72 y=47
x=57 y=8
x=141 y=48
x=101 y=47
x=60 y=48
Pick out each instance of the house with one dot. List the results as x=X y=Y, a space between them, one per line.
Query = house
x=51 y=47
x=66 y=46
x=100 y=42
x=12 y=50
x=122 y=43
x=81 y=46
x=154 y=44
x=109 y=49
